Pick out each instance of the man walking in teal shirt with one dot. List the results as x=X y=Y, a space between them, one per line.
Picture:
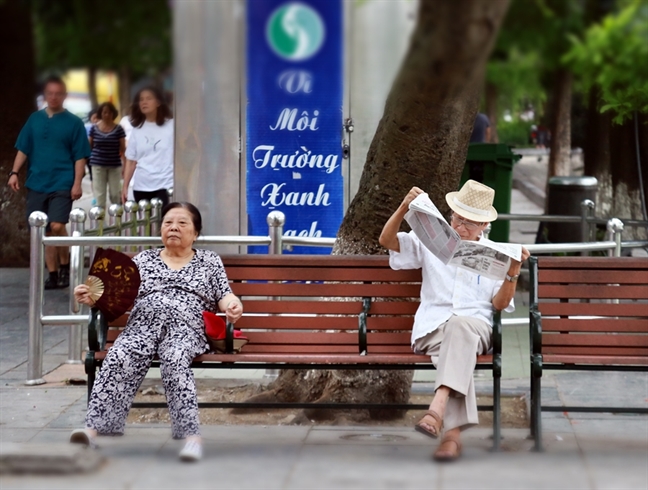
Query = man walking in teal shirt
x=54 y=142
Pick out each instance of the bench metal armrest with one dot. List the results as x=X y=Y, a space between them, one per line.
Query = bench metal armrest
x=362 y=326
x=229 y=338
x=497 y=344
x=97 y=331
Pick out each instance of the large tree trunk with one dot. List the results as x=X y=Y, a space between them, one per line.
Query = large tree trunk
x=597 y=152
x=422 y=140
x=19 y=100
x=611 y=157
x=560 y=156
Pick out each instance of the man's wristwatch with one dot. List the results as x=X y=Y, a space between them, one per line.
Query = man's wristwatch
x=512 y=278
x=11 y=173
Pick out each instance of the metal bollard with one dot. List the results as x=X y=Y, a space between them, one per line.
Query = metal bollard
x=115 y=211
x=615 y=229
x=37 y=223
x=96 y=215
x=587 y=207
x=145 y=215
x=276 y=221
x=486 y=232
x=156 y=203
x=75 y=332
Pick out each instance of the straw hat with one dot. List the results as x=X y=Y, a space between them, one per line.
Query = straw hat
x=474 y=201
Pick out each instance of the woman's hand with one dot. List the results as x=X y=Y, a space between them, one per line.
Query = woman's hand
x=234 y=310
x=82 y=295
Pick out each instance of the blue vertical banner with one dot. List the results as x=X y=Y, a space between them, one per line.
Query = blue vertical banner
x=294 y=117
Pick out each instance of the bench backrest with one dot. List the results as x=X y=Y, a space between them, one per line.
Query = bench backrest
x=314 y=304
x=591 y=306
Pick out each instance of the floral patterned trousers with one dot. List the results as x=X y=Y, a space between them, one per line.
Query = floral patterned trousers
x=125 y=366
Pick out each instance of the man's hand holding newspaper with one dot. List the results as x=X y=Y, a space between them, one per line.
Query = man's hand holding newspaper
x=490 y=259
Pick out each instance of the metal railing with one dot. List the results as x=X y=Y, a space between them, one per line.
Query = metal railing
x=80 y=238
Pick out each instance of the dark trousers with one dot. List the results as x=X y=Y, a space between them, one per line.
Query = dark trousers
x=148 y=195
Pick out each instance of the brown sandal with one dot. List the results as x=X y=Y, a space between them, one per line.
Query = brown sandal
x=436 y=425
x=448 y=450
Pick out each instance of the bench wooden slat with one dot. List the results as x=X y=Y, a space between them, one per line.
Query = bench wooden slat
x=594 y=309
x=595 y=325
x=592 y=276
x=321 y=274
x=594 y=340
x=394 y=307
x=323 y=261
x=330 y=307
x=595 y=351
x=300 y=338
x=315 y=307
x=585 y=359
x=298 y=323
x=390 y=323
x=329 y=290
x=318 y=358
x=578 y=263
x=598 y=292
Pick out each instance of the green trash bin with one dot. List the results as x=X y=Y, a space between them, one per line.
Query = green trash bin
x=492 y=164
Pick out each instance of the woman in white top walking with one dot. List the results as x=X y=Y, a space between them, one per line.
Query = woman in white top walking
x=149 y=154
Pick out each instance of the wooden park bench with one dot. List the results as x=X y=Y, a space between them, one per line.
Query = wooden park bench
x=586 y=314
x=318 y=312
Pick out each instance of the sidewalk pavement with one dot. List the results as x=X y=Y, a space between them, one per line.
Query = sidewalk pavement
x=596 y=451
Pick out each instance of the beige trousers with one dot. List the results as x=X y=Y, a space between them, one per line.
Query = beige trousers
x=106 y=177
x=454 y=348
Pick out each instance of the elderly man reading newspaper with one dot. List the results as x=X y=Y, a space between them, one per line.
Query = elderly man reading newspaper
x=453 y=324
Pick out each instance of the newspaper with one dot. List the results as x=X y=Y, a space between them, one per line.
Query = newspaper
x=485 y=257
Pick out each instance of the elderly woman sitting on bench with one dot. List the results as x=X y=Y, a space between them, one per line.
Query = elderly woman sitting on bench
x=179 y=282
x=453 y=324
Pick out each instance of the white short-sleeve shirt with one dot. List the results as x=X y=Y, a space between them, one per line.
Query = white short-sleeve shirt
x=151 y=146
x=446 y=290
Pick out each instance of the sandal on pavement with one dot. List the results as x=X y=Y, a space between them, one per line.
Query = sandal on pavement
x=448 y=450
x=432 y=419
x=191 y=452
x=82 y=436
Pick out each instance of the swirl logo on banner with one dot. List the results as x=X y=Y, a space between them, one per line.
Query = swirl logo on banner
x=294 y=117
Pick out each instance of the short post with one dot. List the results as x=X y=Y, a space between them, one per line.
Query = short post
x=75 y=332
x=615 y=229
x=96 y=215
x=587 y=206
x=145 y=214
x=276 y=221
x=156 y=203
x=37 y=224
x=130 y=216
x=487 y=230
x=115 y=211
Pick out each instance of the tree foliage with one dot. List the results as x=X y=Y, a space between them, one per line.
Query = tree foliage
x=103 y=34
x=531 y=43
x=613 y=55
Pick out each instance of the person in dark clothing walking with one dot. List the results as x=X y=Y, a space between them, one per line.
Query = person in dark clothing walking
x=54 y=142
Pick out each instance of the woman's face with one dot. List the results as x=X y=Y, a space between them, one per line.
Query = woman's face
x=178 y=231
x=106 y=115
x=148 y=104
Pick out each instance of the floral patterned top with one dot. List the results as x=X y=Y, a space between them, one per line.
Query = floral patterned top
x=169 y=297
